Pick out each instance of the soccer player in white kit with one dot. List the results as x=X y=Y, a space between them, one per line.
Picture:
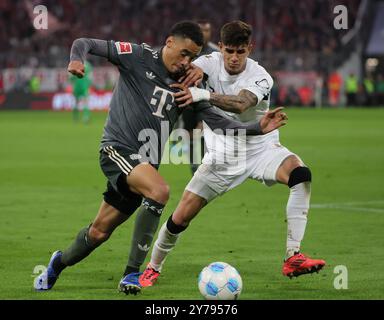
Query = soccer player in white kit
x=240 y=87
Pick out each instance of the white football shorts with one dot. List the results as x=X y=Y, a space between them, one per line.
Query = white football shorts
x=260 y=163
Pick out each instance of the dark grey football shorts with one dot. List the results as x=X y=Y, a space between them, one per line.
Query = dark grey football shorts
x=116 y=164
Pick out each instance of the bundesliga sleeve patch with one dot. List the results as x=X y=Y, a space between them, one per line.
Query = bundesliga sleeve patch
x=123 y=47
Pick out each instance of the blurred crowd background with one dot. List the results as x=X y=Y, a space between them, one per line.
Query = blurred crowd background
x=312 y=62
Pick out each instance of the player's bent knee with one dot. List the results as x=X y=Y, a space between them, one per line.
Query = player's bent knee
x=299 y=175
x=181 y=219
x=295 y=161
x=97 y=236
x=159 y=193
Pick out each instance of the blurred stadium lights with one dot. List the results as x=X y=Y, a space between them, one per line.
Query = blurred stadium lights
x=372 y=63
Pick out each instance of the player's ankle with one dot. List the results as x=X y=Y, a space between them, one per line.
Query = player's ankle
x=153 y=266
x=58 y=266
x=291 y=252
x=130 y=269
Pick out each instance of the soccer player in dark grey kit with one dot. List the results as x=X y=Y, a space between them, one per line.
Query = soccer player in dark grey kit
x=142 y=106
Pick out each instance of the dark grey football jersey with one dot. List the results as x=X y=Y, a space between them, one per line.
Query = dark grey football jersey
x=142 y=109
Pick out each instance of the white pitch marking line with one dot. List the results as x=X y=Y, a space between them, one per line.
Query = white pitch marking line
x=355 y=202
x=351 y=206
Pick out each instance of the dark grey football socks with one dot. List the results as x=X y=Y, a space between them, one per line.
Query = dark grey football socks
x=79 y=249
x=146 y=223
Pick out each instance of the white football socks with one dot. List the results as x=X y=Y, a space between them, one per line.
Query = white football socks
x=164 y=244
x=297 y=211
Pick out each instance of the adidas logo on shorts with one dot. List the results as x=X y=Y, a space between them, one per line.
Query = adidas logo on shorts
x=135 y=156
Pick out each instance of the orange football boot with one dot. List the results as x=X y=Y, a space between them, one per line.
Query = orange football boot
x=300 y=264
x=148 y=277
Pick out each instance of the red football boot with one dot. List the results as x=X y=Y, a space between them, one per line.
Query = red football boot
x=300 y=264
x=148 y=277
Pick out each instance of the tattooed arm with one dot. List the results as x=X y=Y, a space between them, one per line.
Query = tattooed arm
x=232 y=103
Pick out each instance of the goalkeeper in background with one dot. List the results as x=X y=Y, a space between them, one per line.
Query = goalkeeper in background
x=81 y=92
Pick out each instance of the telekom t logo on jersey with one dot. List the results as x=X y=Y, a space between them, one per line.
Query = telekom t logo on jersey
x=160 y=100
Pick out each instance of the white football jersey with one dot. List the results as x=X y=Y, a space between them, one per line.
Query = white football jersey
x=255 y=79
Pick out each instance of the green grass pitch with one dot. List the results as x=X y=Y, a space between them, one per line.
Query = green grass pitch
x=51 y=185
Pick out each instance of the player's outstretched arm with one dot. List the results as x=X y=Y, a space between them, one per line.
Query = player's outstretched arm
x=80 y=48
x=272 y=120
x=232 y=103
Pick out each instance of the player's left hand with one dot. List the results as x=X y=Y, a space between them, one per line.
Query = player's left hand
x=273 y=120
x=193 y=76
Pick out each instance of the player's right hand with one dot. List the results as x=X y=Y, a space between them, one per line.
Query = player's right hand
x=76 y=68
x=193 y=77
x=273 y=120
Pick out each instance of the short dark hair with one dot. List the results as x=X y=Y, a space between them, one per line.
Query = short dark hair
x=188 y=30
x=236 y=33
